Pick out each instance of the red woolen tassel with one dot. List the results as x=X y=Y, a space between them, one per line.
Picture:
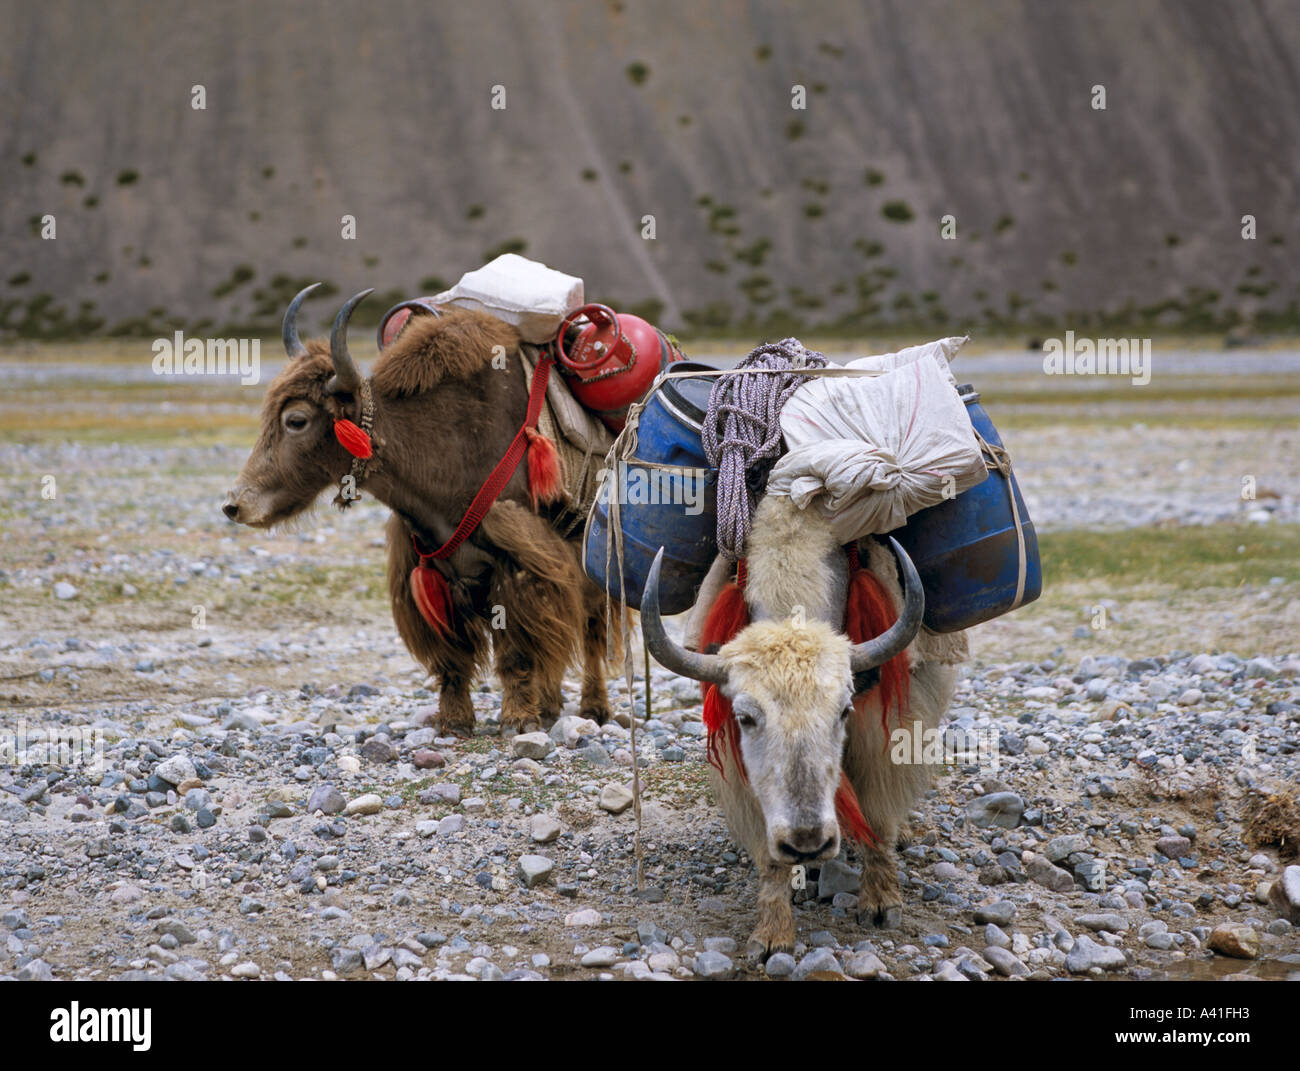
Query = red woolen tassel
x=432 y=595
x=727 y=616
x=355 y=441
x=720 y=721
x=853 y=824
x=868 y=613
x=544 y=480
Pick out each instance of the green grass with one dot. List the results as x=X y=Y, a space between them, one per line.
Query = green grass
x=1223 y=556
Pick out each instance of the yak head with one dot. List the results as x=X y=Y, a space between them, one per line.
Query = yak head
x=790 y=684
x=297 y=455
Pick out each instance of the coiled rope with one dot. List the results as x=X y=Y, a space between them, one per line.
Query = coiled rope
x=742 y=433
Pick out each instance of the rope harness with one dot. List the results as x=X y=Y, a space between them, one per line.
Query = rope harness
x=741 y=433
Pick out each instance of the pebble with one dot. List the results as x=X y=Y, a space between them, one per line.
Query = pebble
x=1234 y=939
x=532 y=746
x=367 y=804
x=63 y=590
x=714 y=965
x=246 y=970
x=1001 y=913
x=1108 y=922
x=1005 y=963
x=543 y=828
x=864 y=966
x=819 y=960
x=176 y=769
x=1085 y=954
x=327 y=799
x=604 y=956
x=1284 y=894
x=1000 y=809
x=615 y=798
x=536 y=869
x=588 y=916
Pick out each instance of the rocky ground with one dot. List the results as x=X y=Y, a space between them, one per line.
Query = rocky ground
x=271 y=801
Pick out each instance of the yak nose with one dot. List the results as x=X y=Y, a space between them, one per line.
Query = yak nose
x=805 y=842
x=230 y=507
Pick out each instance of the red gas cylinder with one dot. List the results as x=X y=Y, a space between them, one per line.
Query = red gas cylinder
x=613 y=361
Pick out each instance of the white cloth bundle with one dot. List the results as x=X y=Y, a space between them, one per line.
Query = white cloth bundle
x=533 y=298
x=869 y=451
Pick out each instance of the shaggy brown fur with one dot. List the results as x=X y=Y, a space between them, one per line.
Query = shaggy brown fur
x=429 y=351
x=445 y=413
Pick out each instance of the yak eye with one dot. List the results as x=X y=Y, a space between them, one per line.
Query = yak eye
x=747 y=721
x=844 y=714
x=295 y=421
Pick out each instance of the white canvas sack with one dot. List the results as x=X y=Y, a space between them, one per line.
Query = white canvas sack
x=533 y=298
x=869 y=451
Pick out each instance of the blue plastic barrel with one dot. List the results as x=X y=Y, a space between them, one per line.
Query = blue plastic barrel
x=967 y=550
x=667 y=498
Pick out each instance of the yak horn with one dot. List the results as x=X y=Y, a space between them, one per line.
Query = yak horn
x=289 y=327
x=700 y=667
x=873 y=653
x=346 y=379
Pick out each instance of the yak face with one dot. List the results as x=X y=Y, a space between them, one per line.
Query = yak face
x=790 y=690
x=296 y=456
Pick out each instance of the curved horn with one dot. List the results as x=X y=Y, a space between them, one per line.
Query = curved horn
x=289 y=327
x=873 y=653
x=346 y=379
x=700 y=667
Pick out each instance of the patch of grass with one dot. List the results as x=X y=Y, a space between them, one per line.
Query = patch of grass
x=129 y=177
x=1192 y=556
x=897 y=212
x=637 y=73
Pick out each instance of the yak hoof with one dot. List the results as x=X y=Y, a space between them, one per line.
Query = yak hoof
x=597 y=712
x=888 y=917
x=760 y=946
x=515 y=728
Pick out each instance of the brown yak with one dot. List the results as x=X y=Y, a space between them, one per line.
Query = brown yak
x=444 y=413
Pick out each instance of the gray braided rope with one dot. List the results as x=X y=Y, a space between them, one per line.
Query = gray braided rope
x=742 y=433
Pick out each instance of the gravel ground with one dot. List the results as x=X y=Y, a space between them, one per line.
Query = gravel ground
x=272 y=804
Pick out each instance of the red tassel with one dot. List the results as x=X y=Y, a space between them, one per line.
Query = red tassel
x=355 y=441
x=544 y=481
x=720 y=721
x=852 y=822
x=432 y=595
x=727 y=616
x=868 y=613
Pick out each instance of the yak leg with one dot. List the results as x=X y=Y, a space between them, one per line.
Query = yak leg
x=775 y=930
x=880 y=900
x=520 y=707
x=455 y=710
x=595 y=654
x=550 y=698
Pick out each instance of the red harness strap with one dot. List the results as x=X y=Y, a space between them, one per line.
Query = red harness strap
x=499 y=476
x=429 y=588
